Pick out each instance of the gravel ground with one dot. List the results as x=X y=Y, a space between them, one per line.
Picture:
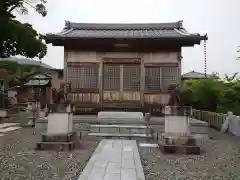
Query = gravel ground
x=220 y=160
x=19 y=160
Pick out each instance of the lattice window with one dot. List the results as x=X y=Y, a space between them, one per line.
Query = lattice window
x=111 y=77
x=84 y=77
x=131 y=77
x=169 y=76
x=153 y=78
x=74 y=76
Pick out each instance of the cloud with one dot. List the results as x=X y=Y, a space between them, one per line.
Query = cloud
x=218 y=18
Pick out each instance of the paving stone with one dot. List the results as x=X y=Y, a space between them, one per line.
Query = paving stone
x=148 y=145
x=113 y=167
x=86 y=171
x=9 y=129
x=128 y=163
x=101 y=163
x=114 y=160
x=97 y=173
x=111 y=177
x=128 y=174
x=4 y=125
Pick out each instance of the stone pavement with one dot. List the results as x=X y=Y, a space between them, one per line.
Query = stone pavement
x=7 y=127
x=114 y=160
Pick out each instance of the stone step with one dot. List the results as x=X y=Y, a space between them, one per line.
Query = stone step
x=61 y=146
x=8 y=129
x=7 y=125
x=114 y=128
x=120 y=115
x=118 y=126
x=106 y=135
x=58 y=137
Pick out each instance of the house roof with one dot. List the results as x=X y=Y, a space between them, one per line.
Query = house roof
x=172 y=30
x=25 y=61
x=58 y=71
x=194 y=75
x=38 y=80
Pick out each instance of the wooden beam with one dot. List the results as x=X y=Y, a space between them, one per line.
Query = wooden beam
x=161 y=64
x=81 y=64
x=122 y=60
x=84 y=90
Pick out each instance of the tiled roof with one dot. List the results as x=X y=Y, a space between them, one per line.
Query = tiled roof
x=25 y=61
x=173 y=30
x=194 y=75
x=38 y=79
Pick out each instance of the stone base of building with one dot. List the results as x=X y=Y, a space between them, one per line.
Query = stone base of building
x=58 y=137
x=59 y=142
x=61 y=146
x=184 y=144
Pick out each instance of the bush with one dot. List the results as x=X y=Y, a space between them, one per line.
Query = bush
x=213 y=94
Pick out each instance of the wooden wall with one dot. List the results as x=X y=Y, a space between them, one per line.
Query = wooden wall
x=90 y=97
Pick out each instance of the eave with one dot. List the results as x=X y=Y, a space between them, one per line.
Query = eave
x=179 y=41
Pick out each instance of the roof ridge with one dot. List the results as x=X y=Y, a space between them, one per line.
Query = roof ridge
x=123 y=26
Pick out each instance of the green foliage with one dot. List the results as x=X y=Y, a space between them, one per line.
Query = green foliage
x=18 y=38
x=17 y=73
x=214 y=94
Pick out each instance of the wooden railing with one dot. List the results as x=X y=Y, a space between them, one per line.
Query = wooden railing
x=215 y=120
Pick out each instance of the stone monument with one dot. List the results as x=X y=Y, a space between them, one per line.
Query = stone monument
x=177 y=137
x=59 y=134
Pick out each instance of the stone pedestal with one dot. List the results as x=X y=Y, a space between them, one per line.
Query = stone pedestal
x=3 y=113
x=59 y=123
x=177 y=125
x=57 y=142
x=173 y=143
x=177 y=137
x=59 y=133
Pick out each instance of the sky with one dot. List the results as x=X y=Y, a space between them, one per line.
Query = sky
x=220 y=19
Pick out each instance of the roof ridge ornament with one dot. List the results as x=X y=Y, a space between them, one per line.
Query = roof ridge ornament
x=67 y=24
x=180 y=24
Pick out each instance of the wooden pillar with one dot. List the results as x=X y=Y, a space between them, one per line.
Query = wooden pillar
x=65 y=70
x=121 y=82
x=179 y=57
x=100 y=83
x=142 y=81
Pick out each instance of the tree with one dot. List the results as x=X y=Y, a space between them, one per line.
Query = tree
x=14 y=73
x=18 y=38
x=214 y=94
x=203 y=94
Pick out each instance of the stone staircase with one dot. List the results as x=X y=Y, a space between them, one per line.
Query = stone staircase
x=120 y=131
x=123 y=131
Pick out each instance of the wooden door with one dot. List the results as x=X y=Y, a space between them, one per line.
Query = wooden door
x=121 y=84
x=131 y=76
